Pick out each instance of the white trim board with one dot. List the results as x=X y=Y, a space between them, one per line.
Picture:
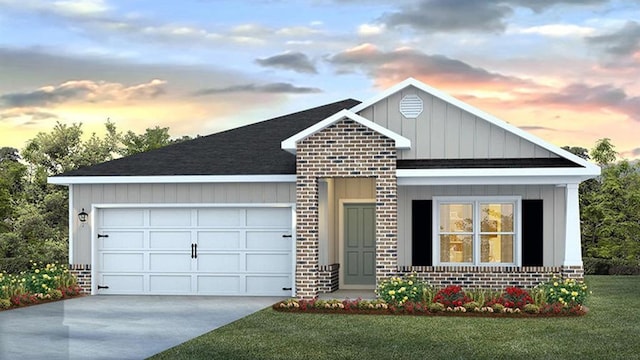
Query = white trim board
x=498 y=176
x=170 y=179
x=290 y=143
x=479 y=113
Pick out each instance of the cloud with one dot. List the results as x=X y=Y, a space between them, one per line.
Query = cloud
x=82 y=91
x=370 y=29
x=271 y=88
x=557 y=30
x=397 y=65
x=589 y=98
x=624 y=41
x=535 y=128
x=447 y=15
x=295 y=61
x=468 y=15
x=33 y=115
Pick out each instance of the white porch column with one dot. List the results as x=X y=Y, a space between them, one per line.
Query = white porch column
x=572 y=247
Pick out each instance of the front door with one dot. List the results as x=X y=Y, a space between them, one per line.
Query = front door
x=359 y=244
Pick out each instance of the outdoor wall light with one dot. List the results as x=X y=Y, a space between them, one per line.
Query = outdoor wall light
x=83 y=216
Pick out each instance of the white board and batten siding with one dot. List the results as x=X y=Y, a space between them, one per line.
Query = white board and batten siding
x=444 y=131
x=194 y=250
x=553 y=208
x=223 y=193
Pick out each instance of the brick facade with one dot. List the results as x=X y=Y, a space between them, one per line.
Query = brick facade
x=490 y=277
x=82 y=272
x=328 y=278
x=344 y=149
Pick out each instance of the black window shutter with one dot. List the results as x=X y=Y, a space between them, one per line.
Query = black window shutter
x=532 y=215
x=421 y=225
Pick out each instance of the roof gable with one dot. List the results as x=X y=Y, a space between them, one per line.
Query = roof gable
x=547 y=149
x=290 y=143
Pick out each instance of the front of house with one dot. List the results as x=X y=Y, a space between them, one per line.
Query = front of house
x=335 y=197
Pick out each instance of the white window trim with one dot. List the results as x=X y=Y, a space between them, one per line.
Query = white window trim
x=517 y=241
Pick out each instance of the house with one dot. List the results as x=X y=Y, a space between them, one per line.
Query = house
x=335 y=197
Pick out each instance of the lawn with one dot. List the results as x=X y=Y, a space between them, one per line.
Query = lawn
x=611 y=330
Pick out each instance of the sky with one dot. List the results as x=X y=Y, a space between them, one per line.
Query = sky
x=564 y=70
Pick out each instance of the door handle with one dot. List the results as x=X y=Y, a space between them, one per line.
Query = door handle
x=195 y=252
x=192 y=255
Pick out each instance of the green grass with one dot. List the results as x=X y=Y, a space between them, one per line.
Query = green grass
x=611 y=330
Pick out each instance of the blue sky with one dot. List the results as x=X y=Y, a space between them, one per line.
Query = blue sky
x=565 y=70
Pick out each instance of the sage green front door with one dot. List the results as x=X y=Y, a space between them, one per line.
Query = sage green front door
x=359 y=244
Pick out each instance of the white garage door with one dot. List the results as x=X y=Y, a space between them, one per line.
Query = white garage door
x=203 y=251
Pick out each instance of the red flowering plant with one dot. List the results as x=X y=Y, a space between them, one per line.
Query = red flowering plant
x=451 y=296
x=515 y=298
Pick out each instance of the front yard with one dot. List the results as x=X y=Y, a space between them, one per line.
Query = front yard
x=610 y=330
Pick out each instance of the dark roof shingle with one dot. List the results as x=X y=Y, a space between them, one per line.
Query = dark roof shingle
x=248 y=150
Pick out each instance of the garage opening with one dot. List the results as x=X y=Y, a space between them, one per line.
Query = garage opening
x=194 y=251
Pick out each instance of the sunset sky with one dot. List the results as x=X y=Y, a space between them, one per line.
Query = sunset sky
x=565 y=70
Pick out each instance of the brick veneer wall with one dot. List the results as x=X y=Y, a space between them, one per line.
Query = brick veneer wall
x=490 y=277
x=328 y=278
x=344 y=149
x=82 y=272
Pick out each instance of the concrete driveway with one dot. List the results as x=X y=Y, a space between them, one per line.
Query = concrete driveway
x=116 y=327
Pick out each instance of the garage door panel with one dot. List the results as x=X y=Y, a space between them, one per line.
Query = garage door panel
x=269 y=263
x=163 y=240
x=216 y=284
x=168 y=284
x=170 y=262
x=124 y=284
x=269 y=285
x=220 y=217
x=122 y=240
x=122 y=217
x=225 y=263
x=122 y=262
x=269 y=217
x=240 y=250
x=218 y=240
x=268 y=240
x=170 y=217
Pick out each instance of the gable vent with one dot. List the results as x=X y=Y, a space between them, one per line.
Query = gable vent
x=411 y=106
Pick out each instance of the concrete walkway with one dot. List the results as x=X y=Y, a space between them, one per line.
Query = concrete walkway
x=116 y=327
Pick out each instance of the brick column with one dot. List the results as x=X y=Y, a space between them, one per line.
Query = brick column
x=345 y=149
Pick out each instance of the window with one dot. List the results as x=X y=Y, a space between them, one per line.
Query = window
x=476 y=231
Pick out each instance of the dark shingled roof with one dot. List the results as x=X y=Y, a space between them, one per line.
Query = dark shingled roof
x=248 y=150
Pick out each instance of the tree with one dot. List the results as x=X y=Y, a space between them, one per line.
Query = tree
x=33 y=213
x=578 y=151
x=610 y=208
x=604 y=152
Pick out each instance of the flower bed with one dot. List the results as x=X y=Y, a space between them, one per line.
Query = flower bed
x=408 y=296
x=43 y=283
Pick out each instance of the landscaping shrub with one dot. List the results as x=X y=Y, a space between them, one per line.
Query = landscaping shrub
x=399 y=290
x=513 y=298
x=451 y=296
x=42 y=283
x=567 y=292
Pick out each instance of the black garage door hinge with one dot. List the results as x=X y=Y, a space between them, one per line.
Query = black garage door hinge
x=285 y=289
x=102 y=287
x=286 y=236
x=101 y=236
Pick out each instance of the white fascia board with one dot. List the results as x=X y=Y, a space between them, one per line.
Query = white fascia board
x=171 y=179
x=290 y=143
x=477 y=112
x=527 y=176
